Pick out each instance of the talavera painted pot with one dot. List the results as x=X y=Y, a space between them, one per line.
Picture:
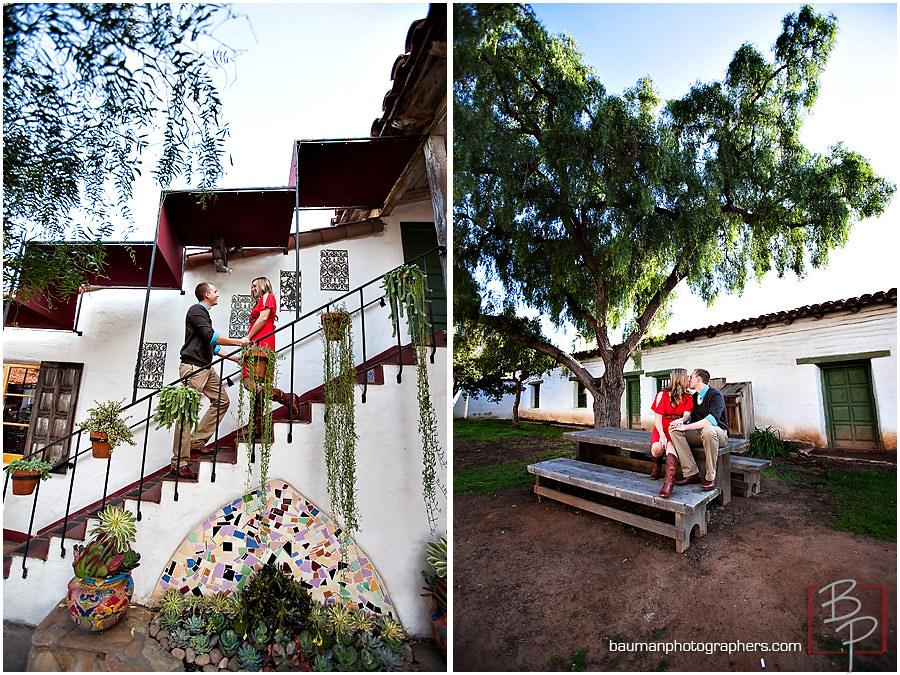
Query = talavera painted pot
x=97 y=604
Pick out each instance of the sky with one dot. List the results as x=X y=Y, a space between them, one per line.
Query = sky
x=678 y=45
x=304 y=71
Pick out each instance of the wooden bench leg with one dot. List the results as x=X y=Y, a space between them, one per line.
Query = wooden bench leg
x=723 y=477
x=685 y=523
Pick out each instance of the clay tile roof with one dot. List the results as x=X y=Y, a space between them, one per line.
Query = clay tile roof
x=788 y=316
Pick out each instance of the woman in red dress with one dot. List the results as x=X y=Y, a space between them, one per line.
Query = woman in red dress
x=671 y=403
x=262 y=323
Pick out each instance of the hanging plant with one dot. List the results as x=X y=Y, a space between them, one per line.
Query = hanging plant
x=178 y=405
x=261 y=363
x=340 y=424
x=405 y=289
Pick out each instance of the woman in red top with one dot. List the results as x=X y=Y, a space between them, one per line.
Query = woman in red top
x=671 y=403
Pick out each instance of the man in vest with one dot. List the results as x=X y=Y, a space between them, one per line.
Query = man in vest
x=708 y=427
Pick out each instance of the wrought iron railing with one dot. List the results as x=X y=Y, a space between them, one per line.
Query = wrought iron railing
x=71 y=462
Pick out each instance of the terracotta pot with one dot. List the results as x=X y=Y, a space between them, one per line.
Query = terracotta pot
x=257 y=361
x=24 y=482
x=439 y=618
x=100 y=447
x=97 y=604
x=333 y=324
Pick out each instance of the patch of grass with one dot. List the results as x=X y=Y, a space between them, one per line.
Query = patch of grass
x=489 y=479
x=578 y=661
x=494 y=430
x=510 y=641
x=864 y=501
x=663 y=665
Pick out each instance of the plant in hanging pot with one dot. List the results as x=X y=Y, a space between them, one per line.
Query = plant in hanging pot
x=436 y=585
x=340 y=425
x=178 y=404
x=25 y=474
x=102 y=587
x=107 y=428
x=405 y=289
x=260 y=364
x=334 y=323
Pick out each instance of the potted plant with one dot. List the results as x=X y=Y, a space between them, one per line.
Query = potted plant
x=25 y=474
x=177 y=404
x=334 y=323
x=261 y=365
x=405 y=289
x=107 y=428
x=102 y=587
x=340 y=424
x=436 y=585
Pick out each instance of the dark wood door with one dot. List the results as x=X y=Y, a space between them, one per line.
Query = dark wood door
x=53 y=412
x=633 y=402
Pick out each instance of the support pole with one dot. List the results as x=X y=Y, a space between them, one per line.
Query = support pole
x=137 y=365
x=435 y=150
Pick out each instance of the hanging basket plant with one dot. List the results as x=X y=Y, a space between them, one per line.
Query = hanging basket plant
x=334 y=324
x=107 y=427
x=25 y=474
x=261 y=364
x=405 y=289
x=178 y=405
x=340 y=423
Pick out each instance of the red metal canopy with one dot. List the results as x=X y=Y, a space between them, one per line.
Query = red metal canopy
x=349 y=173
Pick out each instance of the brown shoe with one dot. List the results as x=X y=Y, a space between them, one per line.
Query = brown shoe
x=657 y=467
x=689 y=479
x=671 y=468
x=708 y=485
x=202 y=450
x=184 y=472
x=286 y=399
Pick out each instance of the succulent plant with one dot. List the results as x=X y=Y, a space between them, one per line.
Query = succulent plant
x=200 y=644
x=306 y=642
x=100 y=558
x=217 y=604
x=169 y=620
x=340 y=619
x=233 y=605
x=260 y=634
x=118 y=525
x=195 y=625
x=194 y=604
x=369 y=661
x=390 y=632
x=173 y=602
x=215 y=624
x=179 y=637
x=318 y=617
x=370 y=642
x=228 y=643
x=345 y=656
x=362 y=622
x=249 y=658
x=390 y=660
x=322 y=664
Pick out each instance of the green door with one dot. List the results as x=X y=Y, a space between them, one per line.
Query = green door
x=850 y=406
x=418 y=238
x=633 y=402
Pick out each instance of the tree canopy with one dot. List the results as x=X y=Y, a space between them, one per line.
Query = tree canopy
x=88 y=91
x=592 y=206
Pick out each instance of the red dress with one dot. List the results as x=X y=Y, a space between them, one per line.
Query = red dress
x=265 y=302
x=669 y=412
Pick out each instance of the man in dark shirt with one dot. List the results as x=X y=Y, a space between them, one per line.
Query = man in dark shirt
x=201 y=343
x=708 y=427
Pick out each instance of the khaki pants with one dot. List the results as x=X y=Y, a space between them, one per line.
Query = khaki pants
x=207 y=382
x=710 y=437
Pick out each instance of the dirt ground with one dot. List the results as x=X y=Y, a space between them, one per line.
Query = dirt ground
x=544 y=586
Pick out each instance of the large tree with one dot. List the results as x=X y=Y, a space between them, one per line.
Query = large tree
x=88 y=90
x=592 y=206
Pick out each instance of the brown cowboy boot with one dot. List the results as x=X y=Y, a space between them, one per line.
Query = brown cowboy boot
x=283 y=398
x=657 y=467
x=671 y=468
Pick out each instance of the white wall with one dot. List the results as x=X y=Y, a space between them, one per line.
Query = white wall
x=786 y=395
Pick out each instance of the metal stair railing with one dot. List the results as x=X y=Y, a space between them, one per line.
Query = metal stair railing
x=71 y=461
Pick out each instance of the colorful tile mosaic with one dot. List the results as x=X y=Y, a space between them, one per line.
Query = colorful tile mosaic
x=223 y=551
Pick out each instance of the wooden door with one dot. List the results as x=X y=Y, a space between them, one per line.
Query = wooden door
x=53 y=413
x=418 y=238
x=850 y=406
x=633 y=402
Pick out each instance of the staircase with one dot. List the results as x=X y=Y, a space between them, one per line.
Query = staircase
x=48 y=564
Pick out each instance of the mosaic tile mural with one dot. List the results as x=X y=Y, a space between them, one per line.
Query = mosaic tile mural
x=223 y=551
x=153 y=365
x=334 y=271
x=239 y=321
x=289 y=291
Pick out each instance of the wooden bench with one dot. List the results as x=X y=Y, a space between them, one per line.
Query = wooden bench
x=745 y=476
x=555 y=478
x=612 y=446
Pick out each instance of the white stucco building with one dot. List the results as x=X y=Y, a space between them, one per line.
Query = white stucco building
x=823 y=374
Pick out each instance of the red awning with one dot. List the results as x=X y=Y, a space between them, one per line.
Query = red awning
x=251 y=218
x=349 y=173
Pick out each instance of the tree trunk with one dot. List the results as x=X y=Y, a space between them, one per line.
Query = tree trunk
x=515 y=416
x=607 y=394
